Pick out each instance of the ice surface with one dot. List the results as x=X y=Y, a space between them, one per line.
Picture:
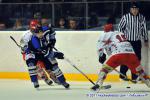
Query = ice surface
x=24 y=90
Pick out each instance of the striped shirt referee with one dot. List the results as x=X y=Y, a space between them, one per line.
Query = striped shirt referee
x=133 y=25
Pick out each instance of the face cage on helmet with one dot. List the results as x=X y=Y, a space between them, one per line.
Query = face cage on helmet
x=38 y=29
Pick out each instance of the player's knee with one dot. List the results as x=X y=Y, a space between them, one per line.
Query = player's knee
x=106 y=68
x=31 y=62
x=29 y=56
x=32 y=70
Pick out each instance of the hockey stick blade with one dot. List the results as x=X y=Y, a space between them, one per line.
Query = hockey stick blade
x=105 y=87
x=98 y=88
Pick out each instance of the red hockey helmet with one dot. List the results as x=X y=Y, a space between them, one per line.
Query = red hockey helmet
x=33 y=24
x=108 y=27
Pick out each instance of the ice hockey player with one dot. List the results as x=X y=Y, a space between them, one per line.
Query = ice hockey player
x=43 y=42
x=120 y=53
x=35 y=66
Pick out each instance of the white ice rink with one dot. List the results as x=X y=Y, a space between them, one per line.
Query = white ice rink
x=23 y=90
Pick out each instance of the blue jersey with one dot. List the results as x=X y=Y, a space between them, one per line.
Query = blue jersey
x=43 y=45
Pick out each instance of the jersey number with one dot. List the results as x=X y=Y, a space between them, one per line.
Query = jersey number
x=121 y=38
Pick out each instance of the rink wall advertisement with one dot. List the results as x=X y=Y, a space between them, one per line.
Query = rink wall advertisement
x=78 y=46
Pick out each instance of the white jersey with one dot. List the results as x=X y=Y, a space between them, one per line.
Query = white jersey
x=113 y=43
x=26 y=37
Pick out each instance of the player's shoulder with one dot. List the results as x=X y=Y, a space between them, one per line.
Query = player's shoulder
x=49 y=31
x=110 y=33
x=27 y=34
x=118 y=33
x=102 y=36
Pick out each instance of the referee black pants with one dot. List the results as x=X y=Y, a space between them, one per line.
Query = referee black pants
x=137 y=49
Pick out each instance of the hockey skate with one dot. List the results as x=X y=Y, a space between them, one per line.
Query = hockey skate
x=146 y=80
x=36 y=84
x=48 y=82
x=66 y=85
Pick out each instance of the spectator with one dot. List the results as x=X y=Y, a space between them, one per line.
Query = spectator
x=62 y=23
x=2 y=26
x=72 y=24
x=18 y=25
x=45 y=22
x=133 y=25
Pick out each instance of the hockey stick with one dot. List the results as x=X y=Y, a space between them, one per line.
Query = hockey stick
x=100 y=87
x=125 y=76
x=103 y=87
x=67 y=60
x=46 y=73
x=64 y=58
x=15 y=42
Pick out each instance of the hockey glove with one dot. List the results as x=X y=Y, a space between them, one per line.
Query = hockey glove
x=102 y=58
x=59 y=55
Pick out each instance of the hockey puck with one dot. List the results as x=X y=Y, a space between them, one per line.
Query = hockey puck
x=128 y=87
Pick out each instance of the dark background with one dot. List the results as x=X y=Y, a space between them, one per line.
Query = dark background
x=88 y=14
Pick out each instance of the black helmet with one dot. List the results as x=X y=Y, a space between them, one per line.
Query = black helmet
x=134 y=5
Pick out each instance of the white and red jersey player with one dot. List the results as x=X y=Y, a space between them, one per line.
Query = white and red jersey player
x=114 y=43
x=120 y=52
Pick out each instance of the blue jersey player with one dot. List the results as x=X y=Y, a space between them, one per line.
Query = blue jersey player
x=42 y=43
x=36 y=67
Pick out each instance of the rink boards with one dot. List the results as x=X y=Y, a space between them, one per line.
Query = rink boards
x=78 y=46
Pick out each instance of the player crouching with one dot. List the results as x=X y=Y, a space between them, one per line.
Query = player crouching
x=120 y=53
